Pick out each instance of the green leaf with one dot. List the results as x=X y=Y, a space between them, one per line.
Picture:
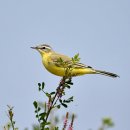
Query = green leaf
x=60 y=60
x=42 y=115
x=48 y=95
x=76 y=56
x=75 y=59
x=43 y=84
x=36 y=116
x=71 y=98
x=47 y=123
x=52 y=93
x=70 y=83
x=43 y=124
x=108 y=121
x=56 y=128
x=39 y=109
x=39 y=84
x=35 y=104
x=67 y=86
x=58 y=106
x=60 y=101
x=35 y=111
x=39 y=88
x=66 y=101
x=64 y=105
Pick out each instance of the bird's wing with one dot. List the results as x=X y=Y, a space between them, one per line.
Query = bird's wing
x=80 y=65
x=67 y=60
x=58 y=59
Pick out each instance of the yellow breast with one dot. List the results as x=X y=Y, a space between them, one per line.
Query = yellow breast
x=51 y=67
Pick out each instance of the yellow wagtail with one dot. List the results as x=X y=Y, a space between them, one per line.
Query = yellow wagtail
x=50 y=58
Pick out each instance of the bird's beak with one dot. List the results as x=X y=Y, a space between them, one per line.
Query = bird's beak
x=34 y=47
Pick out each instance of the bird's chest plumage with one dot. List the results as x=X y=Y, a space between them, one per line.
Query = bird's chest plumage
x=46 y=61
x=50 y=66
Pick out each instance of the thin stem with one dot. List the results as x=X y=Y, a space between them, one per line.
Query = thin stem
x=12 y=124
x=53 y=101
x=56 y=101
x=10 y=115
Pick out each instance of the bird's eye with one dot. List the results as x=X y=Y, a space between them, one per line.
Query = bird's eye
x=43 y=47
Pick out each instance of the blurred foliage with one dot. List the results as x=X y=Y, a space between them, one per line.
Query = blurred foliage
x=45 y=111
x=106 y=123
x=10 y=115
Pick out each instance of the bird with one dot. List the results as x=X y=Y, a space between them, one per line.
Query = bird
x=50 y=60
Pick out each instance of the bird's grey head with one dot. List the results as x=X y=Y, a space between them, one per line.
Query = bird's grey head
x=43 y=48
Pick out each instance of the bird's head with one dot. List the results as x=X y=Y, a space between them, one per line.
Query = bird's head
x=43 y=49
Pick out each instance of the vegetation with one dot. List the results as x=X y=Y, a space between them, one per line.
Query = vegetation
x=55 y=100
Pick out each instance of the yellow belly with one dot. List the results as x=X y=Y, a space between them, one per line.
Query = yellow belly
x=59 y=71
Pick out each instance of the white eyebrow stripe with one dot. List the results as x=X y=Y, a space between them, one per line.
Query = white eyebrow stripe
x=47 y=47
x=44 y=45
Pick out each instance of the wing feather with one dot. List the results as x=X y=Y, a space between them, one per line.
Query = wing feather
x=55 y=58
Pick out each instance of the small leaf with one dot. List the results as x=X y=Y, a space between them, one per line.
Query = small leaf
x=47 y=123
x=67 y=86
x=70 y=83
x=43 y=124
x=39 y=88
x=66 y=101
x=48 y=95
x=43 y=84
x=63 y=104
x=35 y=104
x=35 y=111
x=58 y=106
x=60 y=101
x=42 y=115
x=56 y=128
x=60 y=60
x=76 y=56
x=108 y=121
x=36 y=116
x=52 y=93
x=39 y=109
x=71 y=98
x=39 y=84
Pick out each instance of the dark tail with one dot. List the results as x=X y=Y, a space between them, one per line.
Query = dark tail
x=106 y=73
